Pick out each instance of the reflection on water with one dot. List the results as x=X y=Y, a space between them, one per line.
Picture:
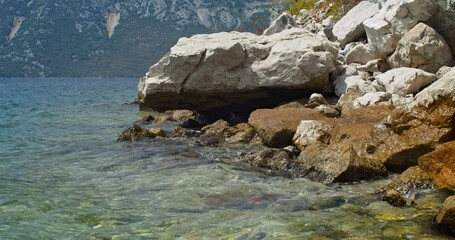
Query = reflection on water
x=63 y=176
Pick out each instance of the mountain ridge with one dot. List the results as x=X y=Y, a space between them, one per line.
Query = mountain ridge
x=107 y=38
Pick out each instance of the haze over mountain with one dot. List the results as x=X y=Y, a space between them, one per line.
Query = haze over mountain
x=108 y=38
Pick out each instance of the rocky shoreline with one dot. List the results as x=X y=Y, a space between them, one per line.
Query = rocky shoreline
x=334 y=101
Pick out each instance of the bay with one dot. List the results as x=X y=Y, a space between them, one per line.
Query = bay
x=64 y=176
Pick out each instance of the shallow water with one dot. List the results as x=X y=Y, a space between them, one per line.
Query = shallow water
x=63 y=176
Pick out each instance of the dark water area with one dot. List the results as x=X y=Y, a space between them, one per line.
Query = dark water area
x=64 y=176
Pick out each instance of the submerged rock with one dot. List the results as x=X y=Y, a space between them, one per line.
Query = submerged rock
x=412 y=179
x=134 y=133
x=278 y=160
x=222 y=69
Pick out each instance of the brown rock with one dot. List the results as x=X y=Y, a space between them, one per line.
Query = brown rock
x=134 y=133
x=219 y=127
x=241 y=133
x=158 y=132
x=276 y=127
x=412 y=179
x=299 y=103
x=183 y=132
x=446 y=216
x=440 y=165
x=163 y=119
x=211 y=139
x=418 y=128
x=341 y=153
x=409 y=133
x=181 y=115
x=269 y=158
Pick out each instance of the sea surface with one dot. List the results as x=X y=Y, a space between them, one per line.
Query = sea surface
x=64 y=176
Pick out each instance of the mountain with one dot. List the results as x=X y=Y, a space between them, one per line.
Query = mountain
x=109 y=38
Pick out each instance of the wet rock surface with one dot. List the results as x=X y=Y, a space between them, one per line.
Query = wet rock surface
x=134 y=133
x=445 y=219
x=414 y=178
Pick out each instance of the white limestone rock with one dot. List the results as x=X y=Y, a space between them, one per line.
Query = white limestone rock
x=311 y=132
x=395 y=18
x=422 y=47
x=440 y=89
x=215 y=70
x=442 y=71
x=404 y=81
x=344 y=82
x=398 y=100
x=361 y=54
x=349 y=28
x=372 y=98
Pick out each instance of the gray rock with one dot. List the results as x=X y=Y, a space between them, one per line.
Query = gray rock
x=215 y=70
x=422 y=47
x=442 y=71
x=373 y=66
x=349 y=28
x=359 y=54
x=404 y=81
x=444 y=21
x=395 y=18
x=372 y=98
x=283 y=22
x=344 y=82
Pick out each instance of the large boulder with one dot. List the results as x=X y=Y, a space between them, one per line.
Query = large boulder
x=404 y=81
x=446 y=216
x=440 y=165
x=276 y=127
x=334 y=150
x=217 y=70
x=395 y=18
x=422 y=47
x=417 y=128
x=349 y=28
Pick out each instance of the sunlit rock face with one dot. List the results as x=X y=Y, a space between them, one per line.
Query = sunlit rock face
x=217 y=70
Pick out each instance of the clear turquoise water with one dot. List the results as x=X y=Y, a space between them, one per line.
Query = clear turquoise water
x=64 y=176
